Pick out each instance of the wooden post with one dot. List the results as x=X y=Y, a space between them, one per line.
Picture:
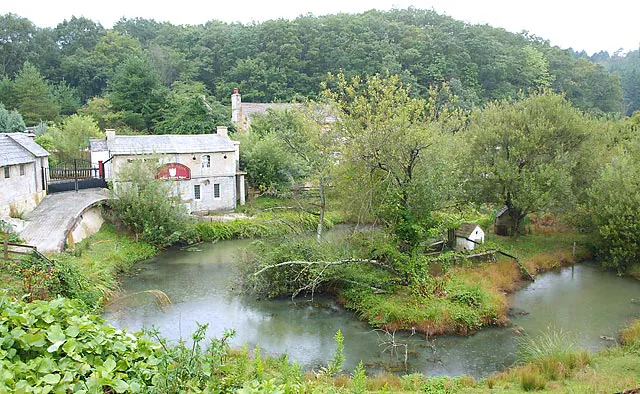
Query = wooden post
x=75 y=173
x=5 y=247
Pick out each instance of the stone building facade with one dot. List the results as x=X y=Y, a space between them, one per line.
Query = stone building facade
x=22 y=183
x=203 y=168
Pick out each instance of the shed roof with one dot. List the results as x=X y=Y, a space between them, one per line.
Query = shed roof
x=466 y=229
x=167 y=143
x=502 y=211
x=18 y=149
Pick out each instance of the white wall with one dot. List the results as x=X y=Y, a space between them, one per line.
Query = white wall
x=88 y=224
x=464 y=244
x=221 y=171
x=20 y=194
x=97 y=157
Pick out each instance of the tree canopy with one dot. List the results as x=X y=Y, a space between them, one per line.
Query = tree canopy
x=285 y=60
x=522 y=154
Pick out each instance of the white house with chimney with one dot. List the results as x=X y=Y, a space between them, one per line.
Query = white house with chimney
x=203 y=168
x=243 y=112
x=22 y=168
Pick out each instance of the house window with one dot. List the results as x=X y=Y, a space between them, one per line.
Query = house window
x=216 y=190
x=21 y=169
x=206 y=161
x=6 y=172
x=196 y=192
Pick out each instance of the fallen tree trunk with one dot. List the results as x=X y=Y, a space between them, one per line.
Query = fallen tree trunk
x=309 y=263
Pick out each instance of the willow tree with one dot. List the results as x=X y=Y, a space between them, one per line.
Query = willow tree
x=523 y=154
x=395 y=151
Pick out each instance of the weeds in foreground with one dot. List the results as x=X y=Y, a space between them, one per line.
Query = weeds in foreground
x=630 y=336
x=551 y=356
x=550 y=343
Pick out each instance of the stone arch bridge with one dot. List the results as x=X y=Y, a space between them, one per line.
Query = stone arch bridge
x=64 y=219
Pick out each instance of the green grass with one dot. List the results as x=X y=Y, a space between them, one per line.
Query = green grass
x=91 y=270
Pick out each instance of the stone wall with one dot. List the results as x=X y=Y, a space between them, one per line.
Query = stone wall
x=20 y=194
x=87 y=224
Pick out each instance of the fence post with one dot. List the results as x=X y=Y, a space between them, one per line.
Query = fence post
x=75 y=172
x=5 y=247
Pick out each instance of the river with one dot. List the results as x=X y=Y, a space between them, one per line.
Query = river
x=584 y=301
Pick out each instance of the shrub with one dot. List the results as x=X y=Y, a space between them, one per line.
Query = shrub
x=532 y=380
x=140 y=202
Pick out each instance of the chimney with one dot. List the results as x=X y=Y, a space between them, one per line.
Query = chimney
x=222 y=130
x=110 y=137
x=236 y=103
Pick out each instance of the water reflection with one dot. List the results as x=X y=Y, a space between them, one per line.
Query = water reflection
x=588 y=303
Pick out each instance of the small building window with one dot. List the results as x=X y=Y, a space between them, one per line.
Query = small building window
x=216 y=190
x=21 y=169
x=206 y=161
x=196 y=192
x=6 y=172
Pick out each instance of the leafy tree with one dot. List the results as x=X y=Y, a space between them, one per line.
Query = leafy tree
x=135 y=89
x=16 y=43
x=72 y=136
x=7 y=91
x=612 y=208
x=67 y=98
x=90 y=70
x=10 y=121
x=34 y=97
x=269 y=166
x=394 y=151
x=522 y=154
x=314 y=144
x=190 y=110
x=102 y=111
x=78 y=33
x=140 y=201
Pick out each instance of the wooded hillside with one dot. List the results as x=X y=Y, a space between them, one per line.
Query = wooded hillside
x=135 y=65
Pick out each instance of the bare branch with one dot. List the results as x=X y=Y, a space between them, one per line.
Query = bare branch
x=308 y=263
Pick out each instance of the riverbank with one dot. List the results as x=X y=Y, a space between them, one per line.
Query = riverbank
x=444 y=295
x=89 y=272
x=553 y=366
x=62 y=340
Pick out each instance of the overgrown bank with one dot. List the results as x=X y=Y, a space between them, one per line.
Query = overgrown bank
x=443 y=294
x=90 y=271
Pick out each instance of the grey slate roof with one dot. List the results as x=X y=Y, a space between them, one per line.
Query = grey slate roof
x=29 y=144
x=98 y=145
x=502 y=211
x=466 y=229
x=167 y=143
x=18 y=149
x=251 y=109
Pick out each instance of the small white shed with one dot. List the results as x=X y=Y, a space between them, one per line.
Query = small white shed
x=467 y=232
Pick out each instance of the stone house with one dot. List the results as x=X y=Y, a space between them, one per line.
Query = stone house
x=22 y=168
x=243 y=112
x=203 y=168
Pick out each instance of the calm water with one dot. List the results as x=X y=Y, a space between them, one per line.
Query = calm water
x=584 y=301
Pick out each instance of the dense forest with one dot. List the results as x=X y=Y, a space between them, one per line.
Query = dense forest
x=148 y=75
